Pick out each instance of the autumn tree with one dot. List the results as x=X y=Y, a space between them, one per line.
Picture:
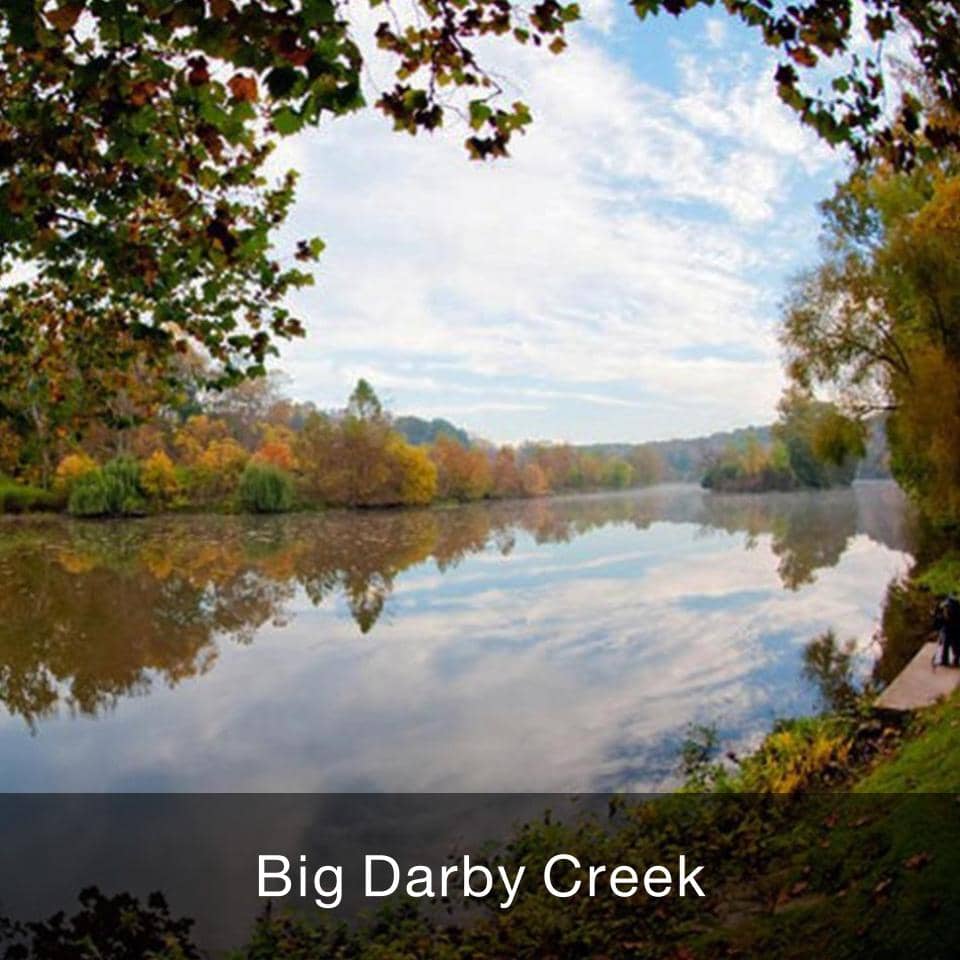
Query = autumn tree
x=506 y=476
x=315 y=448
x=159 y=480
x=534 y=481
x=413 y=475
x=877 y=320
x=250 y=405
x=462 y=474
x=196 y=434
x=648 y=466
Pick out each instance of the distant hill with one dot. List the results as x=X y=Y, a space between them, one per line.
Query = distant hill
x=687 y=459
x=683 y=459
x=421 y=432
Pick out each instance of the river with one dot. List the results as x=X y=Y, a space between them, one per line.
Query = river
x=562 y=644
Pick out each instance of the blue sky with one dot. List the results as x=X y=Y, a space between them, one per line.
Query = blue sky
x=617 y=278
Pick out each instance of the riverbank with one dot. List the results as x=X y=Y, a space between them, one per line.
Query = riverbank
x=864 y=865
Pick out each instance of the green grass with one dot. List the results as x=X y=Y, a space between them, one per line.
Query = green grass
x=943 y=577
x=929 y=761
x=867 y=873
x=21 y=498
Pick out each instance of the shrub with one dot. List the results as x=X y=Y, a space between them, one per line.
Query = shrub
x=88 y=498
x=158 y=478
x=798 y=755
x=71 y=468
x=265 y=489
x=113 y=490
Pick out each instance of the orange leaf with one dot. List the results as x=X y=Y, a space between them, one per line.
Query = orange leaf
x=64 y=18
x=804 y=56
x=243 y=88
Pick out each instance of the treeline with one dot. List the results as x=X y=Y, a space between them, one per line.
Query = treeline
x=686 y=460
x=812 y=445
x=250 y=449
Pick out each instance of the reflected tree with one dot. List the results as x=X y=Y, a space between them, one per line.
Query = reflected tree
x=93 y=613
x=808 y=531
x=828 y=665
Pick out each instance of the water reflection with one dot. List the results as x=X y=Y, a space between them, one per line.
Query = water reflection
x=94 y=613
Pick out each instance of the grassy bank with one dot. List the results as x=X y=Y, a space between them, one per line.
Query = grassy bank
x=860 y=862
x=876 y=876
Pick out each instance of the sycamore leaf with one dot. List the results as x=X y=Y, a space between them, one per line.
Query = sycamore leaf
x=64 y=18
x=243 y=88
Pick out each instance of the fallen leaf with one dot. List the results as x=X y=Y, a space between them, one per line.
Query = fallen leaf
x=917 y=861
x=882 y=887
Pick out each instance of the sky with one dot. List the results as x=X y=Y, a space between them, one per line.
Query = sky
x=618 y=278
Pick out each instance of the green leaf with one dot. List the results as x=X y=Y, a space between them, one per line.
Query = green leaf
x=286 y=122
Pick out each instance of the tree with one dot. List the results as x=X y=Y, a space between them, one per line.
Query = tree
x=135 y=137
x=461 y=474
x=216 y=471
x=879 y=321
x=196 y=435
x=364 y=404
x=276 y=452
x=414 y=475
x=856 y=109
x=158 y=478
x=315 y=449
x=71 y=468
x=617 y=474
x=246 y=407
x=506 y=478
x=534 y=481
x=648 y=466
x=823 y=446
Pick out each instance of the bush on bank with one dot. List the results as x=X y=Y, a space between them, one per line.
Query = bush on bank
x=110 y=491
x=265 y=488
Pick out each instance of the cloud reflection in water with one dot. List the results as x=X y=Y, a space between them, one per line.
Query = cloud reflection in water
x=550 y=645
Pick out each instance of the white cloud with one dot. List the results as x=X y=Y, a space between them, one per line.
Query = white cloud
x=628 y=241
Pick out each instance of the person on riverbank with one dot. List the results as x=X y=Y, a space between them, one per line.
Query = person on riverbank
x=947 y=622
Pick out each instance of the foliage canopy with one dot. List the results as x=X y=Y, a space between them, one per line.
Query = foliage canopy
x=877 y=320
x=136 y=217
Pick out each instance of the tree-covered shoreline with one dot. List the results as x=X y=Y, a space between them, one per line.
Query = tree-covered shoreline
x=252 y=450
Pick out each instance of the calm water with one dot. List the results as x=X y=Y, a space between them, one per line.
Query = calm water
x=561 y=644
